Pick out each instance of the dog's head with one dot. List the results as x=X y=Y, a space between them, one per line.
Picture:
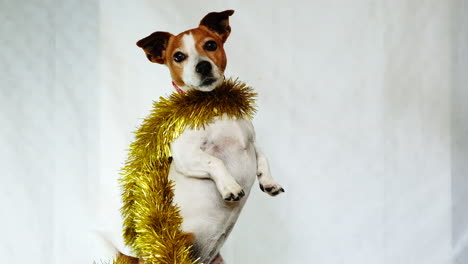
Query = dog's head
x=196 y=57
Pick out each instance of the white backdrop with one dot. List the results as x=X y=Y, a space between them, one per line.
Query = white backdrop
x=362 y=112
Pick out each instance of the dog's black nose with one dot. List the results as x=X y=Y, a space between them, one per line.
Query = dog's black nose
x=203 y=68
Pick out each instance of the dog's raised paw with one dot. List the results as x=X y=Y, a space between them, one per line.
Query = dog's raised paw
x=272 y=189
x=232 y=192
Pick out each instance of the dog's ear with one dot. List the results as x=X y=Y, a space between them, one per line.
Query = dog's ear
x=218 y=22
x=155 y=46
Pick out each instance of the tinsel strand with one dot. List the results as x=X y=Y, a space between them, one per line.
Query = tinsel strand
x=151 y=221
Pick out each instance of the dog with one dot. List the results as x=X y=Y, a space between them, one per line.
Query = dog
x=224 y=152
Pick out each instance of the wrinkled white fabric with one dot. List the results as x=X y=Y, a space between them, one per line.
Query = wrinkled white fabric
x=362 y=112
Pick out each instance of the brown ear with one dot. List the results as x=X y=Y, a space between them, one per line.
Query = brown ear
x=218 y=23
x=155 y=46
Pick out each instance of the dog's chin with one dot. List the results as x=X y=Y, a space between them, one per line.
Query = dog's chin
x=208 y=84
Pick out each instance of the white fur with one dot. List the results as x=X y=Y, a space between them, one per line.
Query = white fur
x=190 y=77
x=224 y=153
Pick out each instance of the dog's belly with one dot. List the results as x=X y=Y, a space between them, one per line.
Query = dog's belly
x=204 y=211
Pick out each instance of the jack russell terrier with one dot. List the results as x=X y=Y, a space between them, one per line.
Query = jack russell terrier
x=225 y=151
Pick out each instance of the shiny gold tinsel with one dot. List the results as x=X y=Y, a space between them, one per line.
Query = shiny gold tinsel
x=121 y=260
x=151 y=222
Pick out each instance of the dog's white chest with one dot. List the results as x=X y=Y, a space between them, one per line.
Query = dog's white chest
x=204 y=211
x=232 y=142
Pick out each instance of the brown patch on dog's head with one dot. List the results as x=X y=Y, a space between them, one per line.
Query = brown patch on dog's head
x=174 y=67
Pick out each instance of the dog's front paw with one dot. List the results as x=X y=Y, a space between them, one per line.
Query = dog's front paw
x=232 y=192
x=271 y=187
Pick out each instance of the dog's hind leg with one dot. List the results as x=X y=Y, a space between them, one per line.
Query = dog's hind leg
x=218 y=260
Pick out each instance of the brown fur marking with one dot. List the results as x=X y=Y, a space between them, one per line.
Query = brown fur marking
x=127 y=259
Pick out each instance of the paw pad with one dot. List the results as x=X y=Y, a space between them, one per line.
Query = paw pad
x=235 y=197
x=272 y=189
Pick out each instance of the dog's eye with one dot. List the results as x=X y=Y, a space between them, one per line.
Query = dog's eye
x=179 y=56
x=211 y=45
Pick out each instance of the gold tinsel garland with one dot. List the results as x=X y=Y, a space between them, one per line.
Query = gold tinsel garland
x=151 y=222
